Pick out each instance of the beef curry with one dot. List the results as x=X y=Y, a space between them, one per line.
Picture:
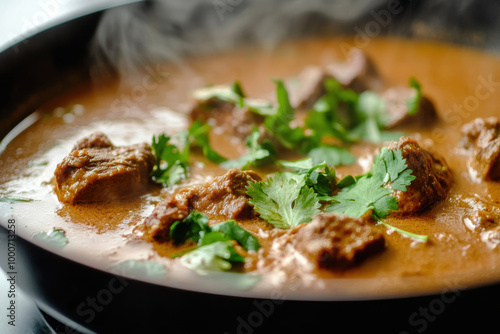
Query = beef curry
x=202 y=195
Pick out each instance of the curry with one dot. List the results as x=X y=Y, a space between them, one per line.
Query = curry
x=461 y=223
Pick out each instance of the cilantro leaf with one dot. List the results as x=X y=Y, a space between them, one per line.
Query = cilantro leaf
x=321 y=182
x=390 y=167
x=234 y=232
x=298 y=165
x=346 y=181
x=238 y=90
x=323 y=124
x=213 y=236
x=220 y=255
x=279 y=124
x=171 y=163
x=232 y=94
x=362 y=196
x=198 y=133
x=371 y=117
x=283 y=202
x=328 y=117
x=372 y=191
x=342 y=114
x=332 y=155
x=260 y=107
x=319 y=177
x=216 y=244
x=413 y=103
x=193 y=227
x=258 y=154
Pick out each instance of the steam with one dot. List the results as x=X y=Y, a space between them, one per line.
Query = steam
x=130 y=37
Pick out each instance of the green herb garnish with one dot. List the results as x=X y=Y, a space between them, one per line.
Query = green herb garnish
x=198 y=134
x=413 y=103
x=319 y=177
x=284 y=202
x=414 y=236
x=349 y=117
x=371 y=117
x=332 y=155
x=258 y=154
x=232 y=94
x=372 y=191
x=234 y=232
x=331 y=115
x=219 y=255
x=193 y=227
x=171 y=163
x=215 y=249
x=278 y=125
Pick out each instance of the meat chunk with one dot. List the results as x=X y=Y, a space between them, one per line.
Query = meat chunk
x=94 y=140
x=96 y=171
x=396 y=106
x=307 y=88
x=433 y=177
x=167 y=212
x=338 y=242
x=224 y=197
x=357 y=73
x=481 y=138
x=225 y=116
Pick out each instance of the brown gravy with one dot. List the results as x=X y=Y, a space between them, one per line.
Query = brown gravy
x=463 y=83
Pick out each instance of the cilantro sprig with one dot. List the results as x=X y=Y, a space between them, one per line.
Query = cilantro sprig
x=278 y=125
x=198 y=134
x=340 y=114
x=349 y=117
x=193 y=227
x=259 y=154
x=331 y=115
x=172 y=163
x=373 y=191
x=319 y=177
x=219 y=255
x=215 y=245
x=297 y=139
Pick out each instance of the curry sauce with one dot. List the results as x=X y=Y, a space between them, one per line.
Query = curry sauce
x=462 y=83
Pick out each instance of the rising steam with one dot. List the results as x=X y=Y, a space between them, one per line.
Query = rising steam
x=131 y=36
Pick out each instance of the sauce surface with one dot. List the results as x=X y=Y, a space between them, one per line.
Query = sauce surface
x=462 y=83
